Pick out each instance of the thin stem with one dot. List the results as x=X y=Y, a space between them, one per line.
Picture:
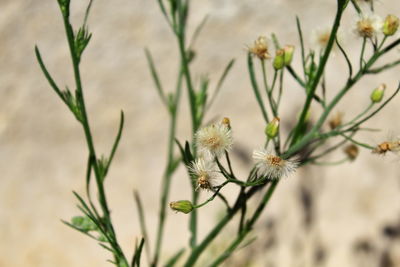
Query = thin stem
x=248 y=227
x=330 y=163
x=362 y=52
x=119 y=255
x=320 y=70
x=228 y=160
x=255 y=87
x=196 y=252
x=267 y=89
x=213 y=196
x=166 y=181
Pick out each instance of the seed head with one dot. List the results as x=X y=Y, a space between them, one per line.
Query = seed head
x=204 y=173
x=215 y=139
x=368 y=26
x=273 y=166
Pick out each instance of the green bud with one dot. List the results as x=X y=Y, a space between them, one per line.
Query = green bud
x=390 y=25
x=272 y=128
x=288 y=56
x=377 y=94
x=279 y=60
x=184 y=206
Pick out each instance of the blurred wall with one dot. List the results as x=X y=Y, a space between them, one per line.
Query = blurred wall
x=322 y=216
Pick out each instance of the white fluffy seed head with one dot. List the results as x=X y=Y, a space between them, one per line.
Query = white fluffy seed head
x=273 y=166
x=368 y=25
x=204 y=173
x=214 y=140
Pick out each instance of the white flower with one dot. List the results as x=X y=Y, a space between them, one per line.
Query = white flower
x=205 y=174
x=273 y=166
x=214 y=140
x=368 y=25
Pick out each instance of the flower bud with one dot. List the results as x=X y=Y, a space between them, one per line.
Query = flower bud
x=377 y=94
x=390 y=25
x=279 y=60
x=225 y=121
x=184 y=206
x=289 y=50
x=272 y=128
x=351 y=151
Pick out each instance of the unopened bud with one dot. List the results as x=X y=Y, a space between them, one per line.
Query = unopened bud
x=272 y=128
x=377 y=94
x=351 y=151
x=225 y=121
x=184 y=206
x=279 y=60
x=390 y=25
x=289 y=50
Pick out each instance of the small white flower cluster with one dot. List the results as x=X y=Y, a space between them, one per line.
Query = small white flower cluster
x=213 y=141
x=367 y=25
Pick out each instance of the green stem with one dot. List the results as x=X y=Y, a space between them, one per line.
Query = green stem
x=319 y=73
x=188 y=79
x=119 y=256
x=166 y=181
x=196 y=252
x=362 y=52
x=248 y=227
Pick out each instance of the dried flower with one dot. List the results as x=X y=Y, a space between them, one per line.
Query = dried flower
x=390 y=25
x=260 y=48
x=387 y=146
x=273 y=166
x=368 y=25
x=336 y=120
x=351 y=151
x=215 y=139
x=204 y=173
x=184 y=206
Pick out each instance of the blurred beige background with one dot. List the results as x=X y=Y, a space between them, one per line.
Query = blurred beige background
x=43 y=153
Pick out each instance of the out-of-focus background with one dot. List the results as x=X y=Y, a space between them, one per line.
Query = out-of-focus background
x=346 y=215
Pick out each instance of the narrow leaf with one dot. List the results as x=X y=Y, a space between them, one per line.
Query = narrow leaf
x=155 y=77
x=116 y=142
x=220 y=82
